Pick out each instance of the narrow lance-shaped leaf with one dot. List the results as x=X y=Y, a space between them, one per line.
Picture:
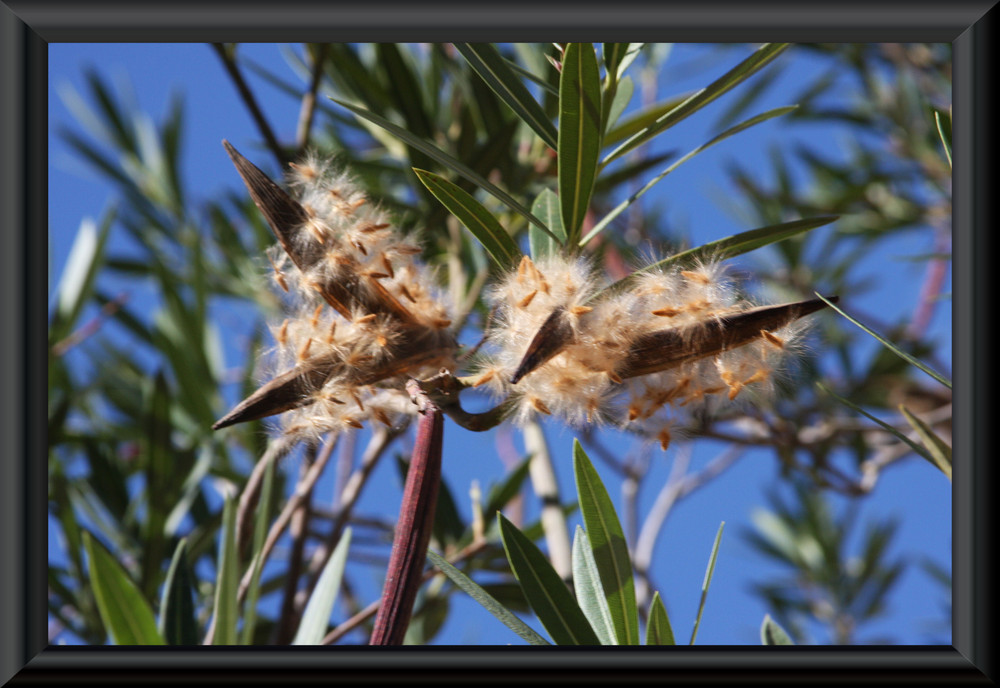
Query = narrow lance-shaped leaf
x=737 y=75
x=579 y=133
x=546 y=207
x=944 y=133
x=545 y=591
x=589 y=593
x=490 y=603
x=490 y=65
x=896 y=350
x=938 y=450
x=773 y=634
x=658 y=630
x=473 y=215
x=607 y=540
x=177 y=622
x=742 y=126
x=708 y=581
x=316 y=617
x=731 y=246
x=126 y=614
x=443 y=158
x=259 y=533
x=227 y=581
x=77 y=282
x=920 y=450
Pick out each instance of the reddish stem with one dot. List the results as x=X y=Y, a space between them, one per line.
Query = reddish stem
x=413 y=531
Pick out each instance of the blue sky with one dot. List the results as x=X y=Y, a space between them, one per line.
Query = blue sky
x=697 y=196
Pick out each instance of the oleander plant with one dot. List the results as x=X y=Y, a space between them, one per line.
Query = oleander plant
x=462 y=239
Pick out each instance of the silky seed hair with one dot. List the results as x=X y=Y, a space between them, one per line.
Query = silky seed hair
x=582 y=383
x=356 y=241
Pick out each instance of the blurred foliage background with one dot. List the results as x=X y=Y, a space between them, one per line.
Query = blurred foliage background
x=141 y=349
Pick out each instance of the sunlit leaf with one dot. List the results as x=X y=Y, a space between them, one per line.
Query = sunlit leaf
x=545 y=591
x=444 y=159
x=937 y=448
x=126 y=614
x=475 y=217
x=487 y=62
x=773 y=634
x=316 y=617
x=658 y=630
x=610 y=549
x=621 y=207
x=546 y=208
x=737 y=75
x=589 y=592
x=579 y=133
x=489 y=602
x=893 y=348
x=707 y=582
x=227 y=580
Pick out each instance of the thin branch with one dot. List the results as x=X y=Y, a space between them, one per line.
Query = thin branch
x=299 y=529
x=229 y=62
x=543 y=480
x=301 y=490
x=678 y=486
x=368 y=612
x=380 y=441
x=276 y=450
x=90 y=327
x=308 y=109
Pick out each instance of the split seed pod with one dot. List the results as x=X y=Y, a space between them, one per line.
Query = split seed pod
x=369 y=317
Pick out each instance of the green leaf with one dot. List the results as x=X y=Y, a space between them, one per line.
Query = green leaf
x=579 y=133
x=76 y=285
x=259 y=534
x=159 y=463
x=939 y=451
x=316 y=617
x=487 y=62
x=944 y=132
x=125 y=612
x=619 y=56
x=640 y=120
x=177 y=615
x=590 y=595
x=444 y=159
x=731 y=246
x=737 y=75
x=545 y=591
x=773 y=634
x=921 y=451
x=500 y=494
x=489 y=602
x=473 y=215
x=623 y=94
x=658 y=630
x=893 y=348
x=609 y=547
x=707 y=582
x=531 y=76
x=620 y=208
x=227 y=581
x=546 y=208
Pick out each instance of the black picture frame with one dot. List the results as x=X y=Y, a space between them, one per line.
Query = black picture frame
x=27 y=26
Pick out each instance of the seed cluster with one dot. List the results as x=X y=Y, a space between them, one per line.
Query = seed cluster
x=364 y=313
x=638 y=357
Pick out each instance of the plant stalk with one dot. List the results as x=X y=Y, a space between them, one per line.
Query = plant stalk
x=416 y=519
